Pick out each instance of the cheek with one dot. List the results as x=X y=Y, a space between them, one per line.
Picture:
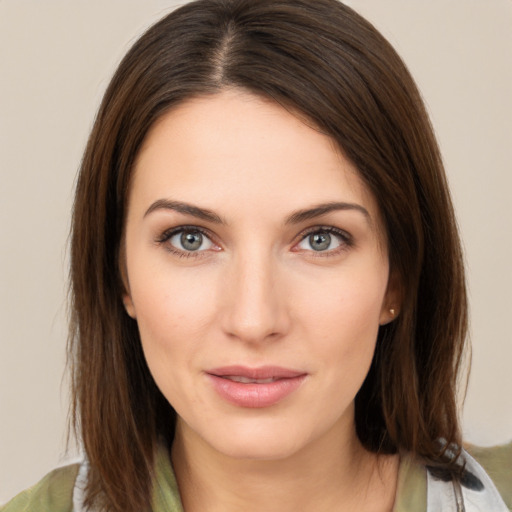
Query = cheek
x=172 y=311
x=350 y=298
x=173 y=314
x=342 y=316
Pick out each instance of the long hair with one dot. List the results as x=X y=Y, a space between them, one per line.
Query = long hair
x=322 y=60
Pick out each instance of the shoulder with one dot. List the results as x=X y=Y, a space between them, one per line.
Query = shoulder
x=416 y=481
x=497 y=462
x=54 y=493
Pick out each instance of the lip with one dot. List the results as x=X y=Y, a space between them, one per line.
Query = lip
x=276 y=383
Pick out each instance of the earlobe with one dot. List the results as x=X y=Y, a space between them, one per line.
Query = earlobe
x=391 y=305
x=127 y=299
x=128 y=305
x=388 y=315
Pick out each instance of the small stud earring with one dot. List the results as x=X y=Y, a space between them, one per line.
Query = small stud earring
x=392 y=312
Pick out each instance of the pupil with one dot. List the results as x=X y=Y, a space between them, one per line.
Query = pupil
x=320 y=241
x=191 y=241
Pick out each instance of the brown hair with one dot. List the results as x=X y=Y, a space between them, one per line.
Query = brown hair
x=321 y=59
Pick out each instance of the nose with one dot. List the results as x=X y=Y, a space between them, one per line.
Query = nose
x=254 y=305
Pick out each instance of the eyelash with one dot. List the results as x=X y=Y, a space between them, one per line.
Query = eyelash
x=346 y=240
x=168 y=234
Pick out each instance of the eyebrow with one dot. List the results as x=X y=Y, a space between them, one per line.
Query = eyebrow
x=323 y=209
x=295 y=218
x=186 y=209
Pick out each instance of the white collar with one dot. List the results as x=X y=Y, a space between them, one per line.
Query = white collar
x=475 y=493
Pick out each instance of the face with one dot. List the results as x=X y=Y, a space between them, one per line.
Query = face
x=257 y=271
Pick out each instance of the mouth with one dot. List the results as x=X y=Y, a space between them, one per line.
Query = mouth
x=255 y=387
x=246 y=380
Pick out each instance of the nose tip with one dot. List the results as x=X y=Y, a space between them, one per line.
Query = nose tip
x=255 y=309
x=252 y=332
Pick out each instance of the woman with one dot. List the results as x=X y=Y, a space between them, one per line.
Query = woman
x=269 y=308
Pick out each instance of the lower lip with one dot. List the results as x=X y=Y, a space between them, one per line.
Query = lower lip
x=255 y=395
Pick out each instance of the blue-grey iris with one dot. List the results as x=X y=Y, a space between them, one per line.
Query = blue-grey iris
x=191 y=240
x=320 y=241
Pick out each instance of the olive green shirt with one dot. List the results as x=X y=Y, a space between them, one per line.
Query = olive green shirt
x=54 y=493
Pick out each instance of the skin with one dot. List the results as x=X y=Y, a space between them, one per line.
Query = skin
x=256 y=293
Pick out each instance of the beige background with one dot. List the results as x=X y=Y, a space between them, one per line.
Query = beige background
x=56 y=57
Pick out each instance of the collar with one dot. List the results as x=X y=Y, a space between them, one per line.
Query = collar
x=419 y=489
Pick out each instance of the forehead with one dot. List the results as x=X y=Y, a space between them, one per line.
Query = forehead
x=236 y=149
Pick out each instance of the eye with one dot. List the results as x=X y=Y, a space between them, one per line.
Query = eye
x=324 y=240
x=190 y=240
x=185 y=241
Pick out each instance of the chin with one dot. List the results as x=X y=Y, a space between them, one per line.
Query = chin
x=257 y=442
x=259 y=449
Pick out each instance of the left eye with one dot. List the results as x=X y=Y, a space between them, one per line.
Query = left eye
x=190 y=240
x=320 y=241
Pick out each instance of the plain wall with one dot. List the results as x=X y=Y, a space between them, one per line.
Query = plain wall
x=56 y=57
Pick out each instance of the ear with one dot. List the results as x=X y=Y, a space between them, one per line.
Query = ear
x=392 y=300
x=125 y=285
x=128 y=304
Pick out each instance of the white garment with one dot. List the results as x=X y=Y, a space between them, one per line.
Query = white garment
x=79 y=489
x=452 y=496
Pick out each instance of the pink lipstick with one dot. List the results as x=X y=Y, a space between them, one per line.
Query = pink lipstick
x=255 y=387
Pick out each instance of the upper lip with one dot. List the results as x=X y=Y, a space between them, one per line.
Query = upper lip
x=261 y=372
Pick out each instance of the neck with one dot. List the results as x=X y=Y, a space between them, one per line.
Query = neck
x=330 y=474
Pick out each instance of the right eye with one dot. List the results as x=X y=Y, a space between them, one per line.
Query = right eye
x=186 y=241
x=190 y=240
